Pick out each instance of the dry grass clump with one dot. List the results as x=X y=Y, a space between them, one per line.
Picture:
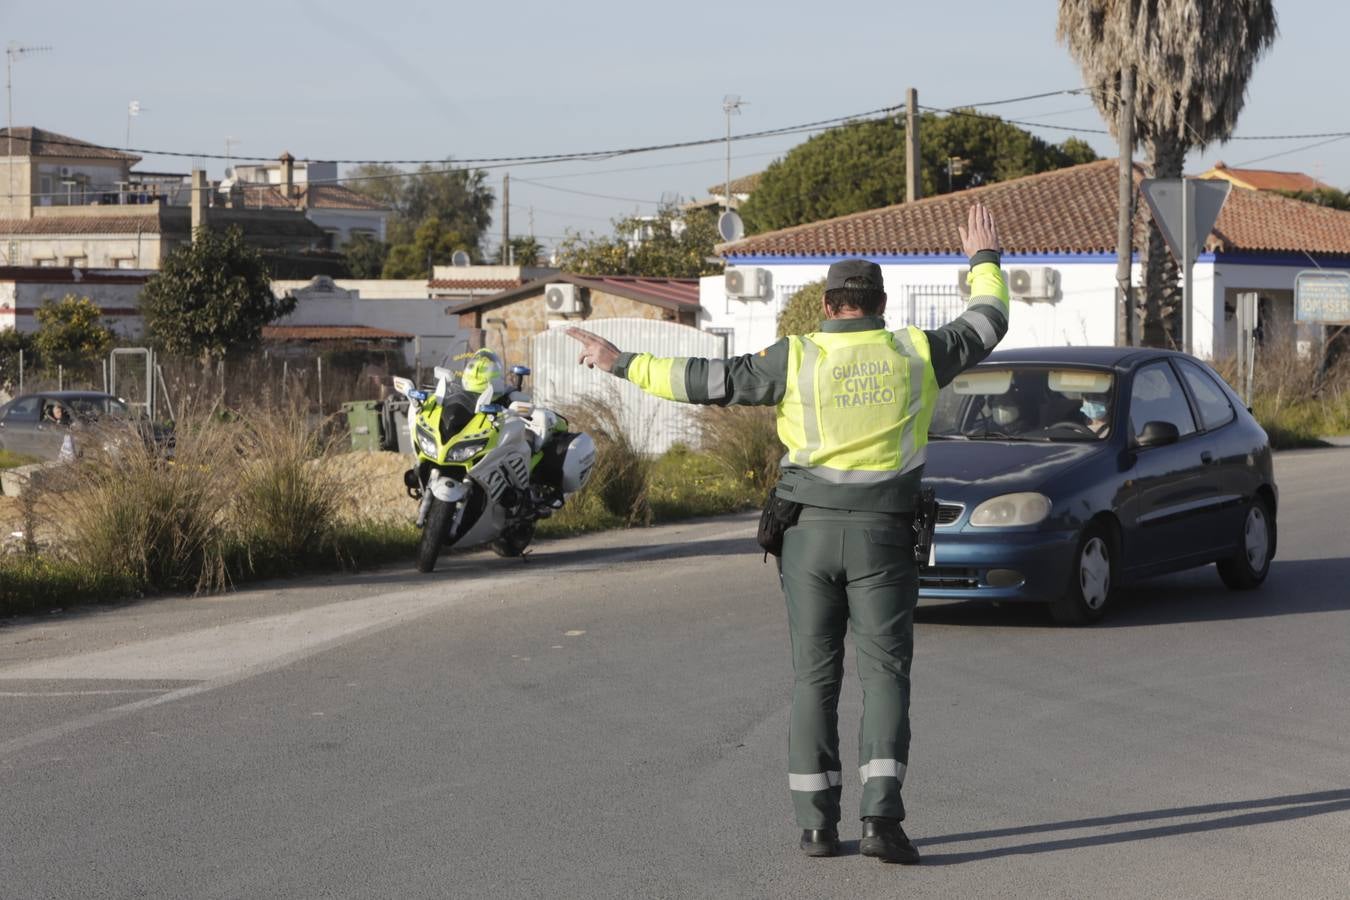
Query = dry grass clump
x=1295 y=397
x=147 y=520
x=285 y=501
x=743 y=440
x=622 y=473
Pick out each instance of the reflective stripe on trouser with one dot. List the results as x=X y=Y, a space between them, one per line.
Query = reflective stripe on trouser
x=846 y=569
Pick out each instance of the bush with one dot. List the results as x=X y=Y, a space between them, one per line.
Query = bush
x=743 y=441
x=622 y=473
x=1295 y=399
x=801 y=314
x=286 y=503
x=148 y=521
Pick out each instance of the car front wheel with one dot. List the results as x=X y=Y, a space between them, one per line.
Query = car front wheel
x=1248 y=567
x=1091 y=579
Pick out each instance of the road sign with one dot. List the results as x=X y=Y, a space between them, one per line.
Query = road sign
x=1202 y=201
x=1185 y=210
x=1322 y=297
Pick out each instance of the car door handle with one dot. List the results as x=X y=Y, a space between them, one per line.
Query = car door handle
x=1206 y=457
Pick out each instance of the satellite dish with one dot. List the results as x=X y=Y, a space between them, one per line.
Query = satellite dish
x=730 y=226
x=460 y=258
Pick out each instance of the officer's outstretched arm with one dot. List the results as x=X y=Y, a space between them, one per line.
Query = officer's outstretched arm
x=970 y=337
x=757 y=379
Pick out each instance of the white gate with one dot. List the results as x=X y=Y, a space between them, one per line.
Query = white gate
x=654 y=424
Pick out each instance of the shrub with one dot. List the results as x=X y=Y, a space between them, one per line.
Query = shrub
x=801 y=314
x=1295 y=398
x=622 y=472
x=743 y=441
x=285 y=502
x=149 y=521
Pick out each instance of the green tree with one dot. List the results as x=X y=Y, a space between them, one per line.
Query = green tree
x=433 y=243
x=671 y=244
x=1329 y=197
x=365 y=256
x=1192 y=60
x=459 y=199
x=861 y=166
x=11 y=342
x=71 y=332
x=801 y=314
x=525 y=251
x=211 y=298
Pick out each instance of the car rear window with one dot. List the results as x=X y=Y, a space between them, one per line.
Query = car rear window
x=1215 y=410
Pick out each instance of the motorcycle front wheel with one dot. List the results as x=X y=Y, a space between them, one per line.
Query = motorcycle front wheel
x=434 y=531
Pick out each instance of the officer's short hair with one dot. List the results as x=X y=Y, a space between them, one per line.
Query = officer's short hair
x=857 y=293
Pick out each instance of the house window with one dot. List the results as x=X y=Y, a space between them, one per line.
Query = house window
x=77 y=262
x=126 y=262
x=44 y=261
x=728 y=336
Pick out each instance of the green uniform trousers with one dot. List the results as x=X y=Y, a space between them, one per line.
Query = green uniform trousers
x=840 y=567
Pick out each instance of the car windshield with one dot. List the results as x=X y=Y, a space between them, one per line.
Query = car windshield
x=1026 y=403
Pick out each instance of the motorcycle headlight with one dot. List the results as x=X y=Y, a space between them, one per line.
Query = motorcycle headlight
x=1011 y=509
x=468 y=450
x=428 y=444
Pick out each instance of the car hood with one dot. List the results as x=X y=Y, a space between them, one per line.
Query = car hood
x=959 y=468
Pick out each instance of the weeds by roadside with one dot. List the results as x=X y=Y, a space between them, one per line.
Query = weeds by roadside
x=1296 y=401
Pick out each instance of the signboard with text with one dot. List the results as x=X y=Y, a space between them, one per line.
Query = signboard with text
x=1322 y=297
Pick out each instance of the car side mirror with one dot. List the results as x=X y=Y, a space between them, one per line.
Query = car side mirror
x=1158 y=434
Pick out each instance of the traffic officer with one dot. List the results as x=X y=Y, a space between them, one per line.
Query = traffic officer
x=854 y=404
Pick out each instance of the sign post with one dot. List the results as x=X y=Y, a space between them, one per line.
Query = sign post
x=1246 y=348
x=1185 y=210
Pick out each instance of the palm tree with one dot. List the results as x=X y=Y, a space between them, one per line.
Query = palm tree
x=1192 y=60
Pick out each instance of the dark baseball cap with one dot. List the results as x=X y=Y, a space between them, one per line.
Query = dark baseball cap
x=842 y=272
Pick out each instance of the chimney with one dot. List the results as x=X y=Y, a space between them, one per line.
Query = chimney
x=288 y=174
x=200 y=195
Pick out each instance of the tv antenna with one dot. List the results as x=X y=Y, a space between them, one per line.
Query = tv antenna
x=15 y=51
x=729 y=223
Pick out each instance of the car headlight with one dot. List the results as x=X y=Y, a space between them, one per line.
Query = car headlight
x=467 y=450
x=1011 y=509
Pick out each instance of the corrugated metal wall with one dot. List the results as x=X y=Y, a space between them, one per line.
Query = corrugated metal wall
x=558 y=381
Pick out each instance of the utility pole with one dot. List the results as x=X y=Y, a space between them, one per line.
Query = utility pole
x=506 y=219
x=12 y=52
x=731 y=106
x=912 y=146
x=1125 y=316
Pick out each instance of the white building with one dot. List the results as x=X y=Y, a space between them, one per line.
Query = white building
x=314 y=188
x=1059 y=234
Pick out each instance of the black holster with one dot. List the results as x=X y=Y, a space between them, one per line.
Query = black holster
x=779 y=515
x=925 y=520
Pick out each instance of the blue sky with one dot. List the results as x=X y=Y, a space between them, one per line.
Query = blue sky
x=414 y=80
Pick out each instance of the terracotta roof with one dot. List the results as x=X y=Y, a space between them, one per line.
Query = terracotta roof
x=40 y=142
x=1071 y=210
x=746 y=184
x=474 y=284
x=331 y=333
x=144 y=223
x=1266 y=179
x=668 y=293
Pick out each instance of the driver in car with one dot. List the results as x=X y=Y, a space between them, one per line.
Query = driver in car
x=1012 y=411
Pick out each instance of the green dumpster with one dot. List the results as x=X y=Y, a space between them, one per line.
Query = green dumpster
x=363 y=422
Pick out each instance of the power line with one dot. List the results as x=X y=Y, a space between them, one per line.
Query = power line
x=554 y=187
x=1290 y=152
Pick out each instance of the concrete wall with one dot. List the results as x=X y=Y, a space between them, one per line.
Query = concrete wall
x=527 y=316
x=924 y=292
x=119 y=300
x=16 y=184
x=99 y=251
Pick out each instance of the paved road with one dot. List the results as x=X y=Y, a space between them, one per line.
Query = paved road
x=609 y=720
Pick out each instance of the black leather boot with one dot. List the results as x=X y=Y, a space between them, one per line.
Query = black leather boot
x=820 y=841
x=886 y=840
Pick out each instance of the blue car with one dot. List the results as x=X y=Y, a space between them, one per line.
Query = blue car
x=1063 y=473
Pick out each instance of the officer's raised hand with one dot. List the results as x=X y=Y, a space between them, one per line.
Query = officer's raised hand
x=979 y=232
x=597 y=353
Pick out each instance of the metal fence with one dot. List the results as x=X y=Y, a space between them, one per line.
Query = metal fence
x=653 y=423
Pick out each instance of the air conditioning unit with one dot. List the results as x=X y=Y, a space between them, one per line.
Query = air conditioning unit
x=561 y=298
x=1040 y=283
x=745 y=283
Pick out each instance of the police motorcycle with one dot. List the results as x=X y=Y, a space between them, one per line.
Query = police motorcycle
x=491 y=479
